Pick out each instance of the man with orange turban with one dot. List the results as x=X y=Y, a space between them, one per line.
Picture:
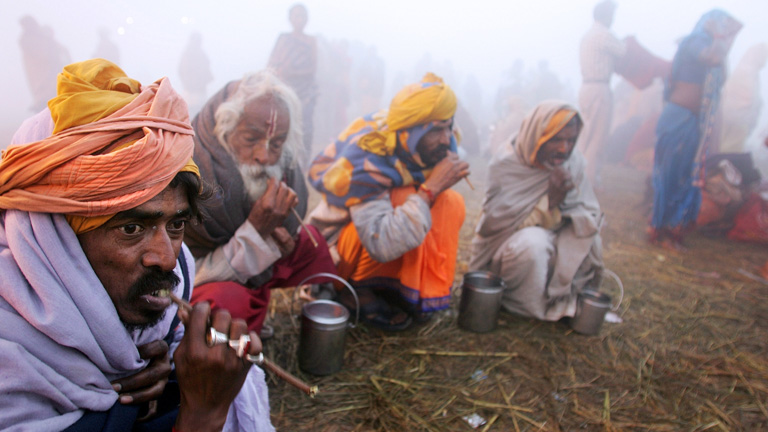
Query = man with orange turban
x=387 y=207
x=540 y=225
x=94 y=199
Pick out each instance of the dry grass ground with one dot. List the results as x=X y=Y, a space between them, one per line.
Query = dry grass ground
x=689 y=356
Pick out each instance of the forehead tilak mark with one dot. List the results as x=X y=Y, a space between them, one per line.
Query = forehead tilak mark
x=272 y=124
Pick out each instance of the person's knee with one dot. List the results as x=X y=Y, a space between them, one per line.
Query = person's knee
x=452 y=201
x=530 y=246
x=450 y=198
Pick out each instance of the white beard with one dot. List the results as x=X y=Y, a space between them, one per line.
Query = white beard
x=256 y=176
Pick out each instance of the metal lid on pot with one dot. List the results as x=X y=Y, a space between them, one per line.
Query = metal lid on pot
x=325 y=312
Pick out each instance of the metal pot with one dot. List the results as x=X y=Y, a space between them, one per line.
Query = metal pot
x=480 y=303
x=323 y=331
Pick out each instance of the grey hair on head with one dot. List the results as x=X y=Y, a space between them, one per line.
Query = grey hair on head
x=252 y=86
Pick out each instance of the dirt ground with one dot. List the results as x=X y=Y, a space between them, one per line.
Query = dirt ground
x=690 y=354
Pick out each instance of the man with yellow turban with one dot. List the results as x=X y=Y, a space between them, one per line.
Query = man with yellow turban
x=540 y=225
x=387 y=207
x=95 y=195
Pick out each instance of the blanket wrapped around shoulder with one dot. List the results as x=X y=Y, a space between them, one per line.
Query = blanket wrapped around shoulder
x=61 y=340
x=514 y=188
x=230 y=206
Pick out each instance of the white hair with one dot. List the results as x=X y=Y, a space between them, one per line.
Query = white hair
x=252 y=86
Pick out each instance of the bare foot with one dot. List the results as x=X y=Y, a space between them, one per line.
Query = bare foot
x=671 y=245
x=305 y=293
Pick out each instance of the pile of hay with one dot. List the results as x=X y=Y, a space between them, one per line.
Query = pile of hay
x=690 y=354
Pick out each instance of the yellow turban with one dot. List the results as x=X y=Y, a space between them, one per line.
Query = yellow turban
x=114 y=147
x=419 y=103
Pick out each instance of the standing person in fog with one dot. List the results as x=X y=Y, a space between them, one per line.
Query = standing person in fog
x=686 y=126
x=43 y=57
x=598 y=54
x=540 y=225
x=294 y=60
x=195 y=72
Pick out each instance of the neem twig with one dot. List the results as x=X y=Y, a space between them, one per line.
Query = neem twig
x=261 y=360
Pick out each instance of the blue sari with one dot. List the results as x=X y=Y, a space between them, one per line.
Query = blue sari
x=682 y=135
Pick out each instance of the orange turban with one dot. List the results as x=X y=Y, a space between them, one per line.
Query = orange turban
x=114 y=147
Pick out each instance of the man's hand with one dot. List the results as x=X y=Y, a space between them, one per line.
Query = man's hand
x=447 y=173
x=209 y=377
x=560 y=183
x=284 y=240
x=148 y=384
x=273 y=207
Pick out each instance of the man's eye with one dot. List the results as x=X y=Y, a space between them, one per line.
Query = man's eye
x=130 y=229
x=177 y=225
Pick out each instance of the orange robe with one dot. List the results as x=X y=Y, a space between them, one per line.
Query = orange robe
x=423 y=276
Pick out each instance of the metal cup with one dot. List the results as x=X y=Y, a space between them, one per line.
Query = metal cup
x=480 y=303
x=323 y=332
x=591 y=307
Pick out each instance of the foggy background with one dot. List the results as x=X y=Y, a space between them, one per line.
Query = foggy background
x=476 y=40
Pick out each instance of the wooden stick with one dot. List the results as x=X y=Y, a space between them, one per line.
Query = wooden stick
x=469 y=183
x=311 y=391
x=181 y=303
x=463 y=353
x=311 y=237
x=266 y=364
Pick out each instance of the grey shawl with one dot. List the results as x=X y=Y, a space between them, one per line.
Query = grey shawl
x=230 y=206
x=515 y=185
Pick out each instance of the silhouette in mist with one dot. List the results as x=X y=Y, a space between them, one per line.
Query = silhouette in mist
x=598 y=53
x=545 y=84
x=195 y=72
x=294 y=60
x=105 y=48
x=369 y=81
x=43 y=59
x=333 y=99
x=741 y=99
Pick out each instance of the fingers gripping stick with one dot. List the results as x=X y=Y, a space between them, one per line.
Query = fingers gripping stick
x=242 y=345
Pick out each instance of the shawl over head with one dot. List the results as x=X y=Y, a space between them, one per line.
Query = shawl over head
x=378 y=152
x=61 y=341
x=112 y=148
x=230 y=206
x=516 y=184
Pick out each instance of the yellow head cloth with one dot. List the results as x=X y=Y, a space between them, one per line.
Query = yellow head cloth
x=89 y=91
x=419 y=103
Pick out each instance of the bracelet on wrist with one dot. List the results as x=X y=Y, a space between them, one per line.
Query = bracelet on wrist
x=428 y=191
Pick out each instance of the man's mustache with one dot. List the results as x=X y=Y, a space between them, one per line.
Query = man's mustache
x=152 y=281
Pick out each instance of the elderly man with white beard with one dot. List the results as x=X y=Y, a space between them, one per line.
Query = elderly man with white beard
x=247 y=145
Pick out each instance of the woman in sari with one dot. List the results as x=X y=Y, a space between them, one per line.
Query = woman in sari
x=685 y=127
